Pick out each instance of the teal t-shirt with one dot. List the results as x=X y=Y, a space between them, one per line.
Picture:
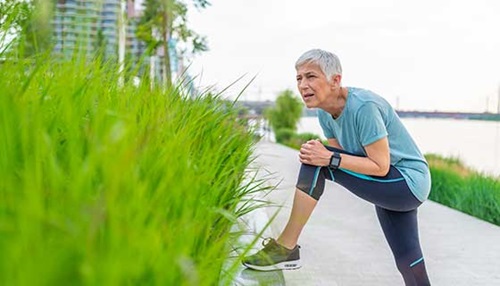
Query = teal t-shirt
x=366 y=118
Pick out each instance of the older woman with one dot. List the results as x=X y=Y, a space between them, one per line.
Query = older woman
x=370 y=153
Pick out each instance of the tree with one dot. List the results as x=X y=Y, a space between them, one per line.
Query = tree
x=164 y=20
x=286 y=113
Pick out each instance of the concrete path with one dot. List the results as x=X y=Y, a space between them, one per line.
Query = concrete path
x=342 y=244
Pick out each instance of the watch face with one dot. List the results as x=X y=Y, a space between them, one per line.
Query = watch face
x=335 y=162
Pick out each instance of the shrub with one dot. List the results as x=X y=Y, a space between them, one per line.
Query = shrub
x=286 y=113
x=296 y=140
x=284 y=135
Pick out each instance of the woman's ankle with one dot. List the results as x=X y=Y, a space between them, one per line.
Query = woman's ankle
x=286 y=244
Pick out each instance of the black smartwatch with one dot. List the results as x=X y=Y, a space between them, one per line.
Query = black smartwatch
x=335 y=160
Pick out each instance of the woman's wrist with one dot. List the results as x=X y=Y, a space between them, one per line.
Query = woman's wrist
x=335 y=159
x=328 y=158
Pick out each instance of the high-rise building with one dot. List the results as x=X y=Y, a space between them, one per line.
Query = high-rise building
x=75 y=21
x=93 y=26
x=89 y=25
x=135 y=48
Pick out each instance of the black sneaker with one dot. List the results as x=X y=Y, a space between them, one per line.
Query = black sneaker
x=274 y=257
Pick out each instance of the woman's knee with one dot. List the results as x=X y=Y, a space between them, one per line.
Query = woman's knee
x=311 y=180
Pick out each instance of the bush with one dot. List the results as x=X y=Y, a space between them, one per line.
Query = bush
x=304 y=137
x=284 y=135
x=296 y=140
x=286 y=113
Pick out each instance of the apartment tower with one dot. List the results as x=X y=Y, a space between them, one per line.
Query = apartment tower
x=89 y=26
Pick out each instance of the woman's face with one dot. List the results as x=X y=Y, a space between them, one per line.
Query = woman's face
x=313 y=85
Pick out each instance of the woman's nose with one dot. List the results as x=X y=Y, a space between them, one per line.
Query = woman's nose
x=302 y=84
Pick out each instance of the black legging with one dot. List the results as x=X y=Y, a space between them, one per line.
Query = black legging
x=396 y=208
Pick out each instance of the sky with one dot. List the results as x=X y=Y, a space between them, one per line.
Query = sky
x=419 y=55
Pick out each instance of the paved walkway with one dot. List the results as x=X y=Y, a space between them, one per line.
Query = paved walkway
x=342 y=244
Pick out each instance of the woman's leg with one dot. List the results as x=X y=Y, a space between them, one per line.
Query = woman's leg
x=284 y=253
x=401 y=231
x=396 y=209
x=310 y=186
x=303 y=206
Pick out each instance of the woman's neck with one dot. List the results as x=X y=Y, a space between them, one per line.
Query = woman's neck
x=337 y=103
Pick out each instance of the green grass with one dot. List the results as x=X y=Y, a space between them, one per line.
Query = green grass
x=456 y=186
x=109 y=185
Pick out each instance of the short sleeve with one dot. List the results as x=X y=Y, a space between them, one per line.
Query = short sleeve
x=370 y=124
x=323 y=122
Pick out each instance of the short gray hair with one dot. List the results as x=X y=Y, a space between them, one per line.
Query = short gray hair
x=328 y=62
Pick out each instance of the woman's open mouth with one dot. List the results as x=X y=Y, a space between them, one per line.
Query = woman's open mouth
x=308 y=95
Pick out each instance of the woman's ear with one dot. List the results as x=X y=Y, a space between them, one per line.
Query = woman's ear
x=336 y=80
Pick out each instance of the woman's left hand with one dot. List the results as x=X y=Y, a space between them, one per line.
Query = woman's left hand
x=313 y=152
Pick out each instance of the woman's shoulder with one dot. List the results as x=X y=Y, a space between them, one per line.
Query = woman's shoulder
x=362 y=97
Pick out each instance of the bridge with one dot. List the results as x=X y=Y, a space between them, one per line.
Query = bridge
x=453 y=115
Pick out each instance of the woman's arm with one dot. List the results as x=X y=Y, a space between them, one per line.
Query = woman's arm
x=377 y=163
x=334 y=143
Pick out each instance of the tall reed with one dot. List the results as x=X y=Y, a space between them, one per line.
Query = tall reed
x=102 y=184
x=456 y=186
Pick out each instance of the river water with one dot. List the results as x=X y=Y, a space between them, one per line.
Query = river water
x=476 y=143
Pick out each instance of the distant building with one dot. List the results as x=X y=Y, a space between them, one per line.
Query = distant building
x=90 y=26
x=135 y=48
x=85 y=25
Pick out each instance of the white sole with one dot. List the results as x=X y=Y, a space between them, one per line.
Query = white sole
x=287 y=265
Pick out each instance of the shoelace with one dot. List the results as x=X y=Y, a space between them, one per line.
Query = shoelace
x=269 y=242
